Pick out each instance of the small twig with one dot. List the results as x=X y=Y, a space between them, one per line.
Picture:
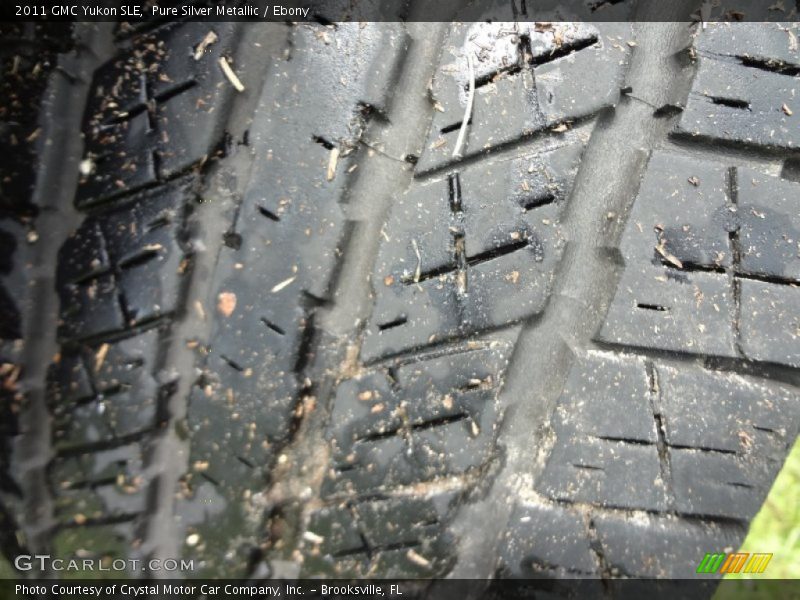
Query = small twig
x=226 y=68
x=278 y=287
x=642 y=100
x=381 y=152
x=468 y=112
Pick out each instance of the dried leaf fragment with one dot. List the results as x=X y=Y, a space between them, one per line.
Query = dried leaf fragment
x=11 y=374
x=670 y=258
x=745 y=439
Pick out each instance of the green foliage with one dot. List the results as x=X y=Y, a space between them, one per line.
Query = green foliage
x=775 y=529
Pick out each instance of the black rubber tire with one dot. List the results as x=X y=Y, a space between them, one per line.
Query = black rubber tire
x=291 y=331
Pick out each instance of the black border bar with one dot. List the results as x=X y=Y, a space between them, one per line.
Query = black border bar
x=332 y=11
x=445 y=589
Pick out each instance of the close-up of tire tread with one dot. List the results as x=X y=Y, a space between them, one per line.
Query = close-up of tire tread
x=495 y=299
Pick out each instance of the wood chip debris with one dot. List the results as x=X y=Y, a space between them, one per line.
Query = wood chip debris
x=417 y=559
x=312 y=537
x=226 y=303
x=86 y=167
x=226 y=68
x=198 y=307
x=787 y=110
x=476 y=431
x=100 y=357
x=210 y=38
x=10 y=372
x=333 y=160
x=278 y=287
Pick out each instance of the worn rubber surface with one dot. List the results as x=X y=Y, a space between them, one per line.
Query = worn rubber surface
x=285 y=331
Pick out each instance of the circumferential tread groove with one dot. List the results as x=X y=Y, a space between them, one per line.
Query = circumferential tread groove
x=30 y=71
x=56 y=162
